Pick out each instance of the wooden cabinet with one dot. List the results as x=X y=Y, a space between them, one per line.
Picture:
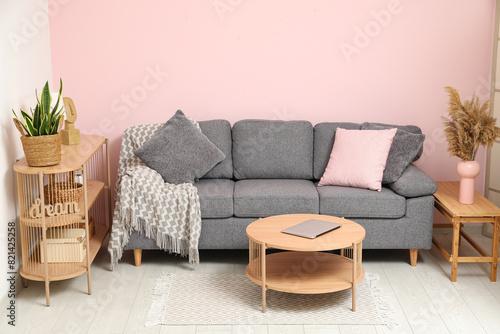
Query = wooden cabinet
x=59 y=208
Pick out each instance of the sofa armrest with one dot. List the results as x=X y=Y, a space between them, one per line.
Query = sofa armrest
x=414 y=182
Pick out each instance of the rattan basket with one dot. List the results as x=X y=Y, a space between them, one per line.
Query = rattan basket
x=42 y=151
x=63 y=191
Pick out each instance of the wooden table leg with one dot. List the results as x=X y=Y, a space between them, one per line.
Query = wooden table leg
x=454 y=250
x=459 y=235
x=494 y=250
x=47 y=292
x=263 y=265
x=44 y=249
x=354 y=274
x=85 y=201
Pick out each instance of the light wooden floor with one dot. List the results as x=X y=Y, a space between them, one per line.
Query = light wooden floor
x=423 y=297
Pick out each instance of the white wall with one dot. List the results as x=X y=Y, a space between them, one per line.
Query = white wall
x=25 y=64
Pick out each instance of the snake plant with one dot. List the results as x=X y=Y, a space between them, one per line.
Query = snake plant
x=44 y=120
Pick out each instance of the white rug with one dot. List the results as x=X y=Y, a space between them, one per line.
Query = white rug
x=222 y=299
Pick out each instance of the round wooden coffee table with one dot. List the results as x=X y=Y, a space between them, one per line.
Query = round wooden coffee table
x=305 y=268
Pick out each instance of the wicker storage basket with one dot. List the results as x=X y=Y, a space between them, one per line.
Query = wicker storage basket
x=61 y=192
x=42 y=151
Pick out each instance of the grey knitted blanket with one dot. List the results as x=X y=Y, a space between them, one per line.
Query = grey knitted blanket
x=167 y=213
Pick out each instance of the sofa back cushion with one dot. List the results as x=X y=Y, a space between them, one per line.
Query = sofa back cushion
x=408 y=128
x=218 y=131
x=272 y=149
x=406 y=147
x=324 y=136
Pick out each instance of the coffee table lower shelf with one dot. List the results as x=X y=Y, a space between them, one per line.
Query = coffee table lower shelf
x=305 y=272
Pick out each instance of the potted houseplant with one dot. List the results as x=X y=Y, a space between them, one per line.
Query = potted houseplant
x=468 y=126
x=40 y=135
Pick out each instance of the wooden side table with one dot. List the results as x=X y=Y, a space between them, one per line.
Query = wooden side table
x=482 y=211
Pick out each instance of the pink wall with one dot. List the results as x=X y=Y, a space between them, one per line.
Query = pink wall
x=130 y=62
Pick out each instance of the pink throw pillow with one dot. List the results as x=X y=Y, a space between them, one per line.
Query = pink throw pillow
x=358 y=158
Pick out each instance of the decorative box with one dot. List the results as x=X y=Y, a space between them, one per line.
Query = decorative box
x=64 y=245
x=81 y=225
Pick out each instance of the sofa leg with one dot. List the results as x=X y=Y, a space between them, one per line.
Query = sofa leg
x=413 y=257
x=137 y=257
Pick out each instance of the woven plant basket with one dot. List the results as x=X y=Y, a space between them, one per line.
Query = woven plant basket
x=41 y=151
x=64 y=191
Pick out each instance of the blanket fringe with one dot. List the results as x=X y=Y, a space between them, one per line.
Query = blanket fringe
x=116 y=253
x=167 y=242
x=163 y=241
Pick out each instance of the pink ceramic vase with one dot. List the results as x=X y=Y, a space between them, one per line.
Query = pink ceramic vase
x=468 y=171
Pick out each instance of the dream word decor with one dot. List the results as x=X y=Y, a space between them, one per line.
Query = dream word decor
x=51 y=210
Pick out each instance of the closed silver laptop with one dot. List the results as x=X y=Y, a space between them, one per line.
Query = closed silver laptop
x=311 y=228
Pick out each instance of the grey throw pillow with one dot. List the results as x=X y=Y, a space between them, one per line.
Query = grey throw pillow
x=179 y=151
x=404 y=149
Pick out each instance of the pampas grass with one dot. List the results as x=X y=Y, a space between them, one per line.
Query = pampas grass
x=468 y=126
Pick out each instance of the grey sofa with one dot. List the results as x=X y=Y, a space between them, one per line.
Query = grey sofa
x=273 y=167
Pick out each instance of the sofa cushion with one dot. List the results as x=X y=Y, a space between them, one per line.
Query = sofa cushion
x=217 y=233
x=216 y=197
x=179 y=151
x=408 y=128
x=404 y=149
x=324 y=135
x=219 y=133
x=262 y=198
x=414 y=182
x=224 y=233
x=358 y=158
x=360 y=203
x=270 y=149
